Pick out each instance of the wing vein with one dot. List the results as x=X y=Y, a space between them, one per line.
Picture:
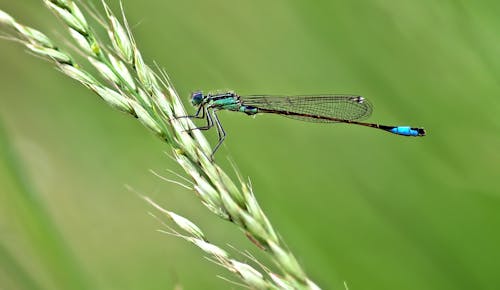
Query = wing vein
x=345 y=107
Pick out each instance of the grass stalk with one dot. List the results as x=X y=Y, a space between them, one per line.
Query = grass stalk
x=43 y=235
x=127 y=83
x=13 y=273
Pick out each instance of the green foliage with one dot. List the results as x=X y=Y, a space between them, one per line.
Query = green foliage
x=355 y=205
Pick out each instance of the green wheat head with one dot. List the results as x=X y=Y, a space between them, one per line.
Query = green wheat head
x=128 y=84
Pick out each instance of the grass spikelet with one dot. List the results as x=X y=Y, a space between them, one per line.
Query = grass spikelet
x=127 y=83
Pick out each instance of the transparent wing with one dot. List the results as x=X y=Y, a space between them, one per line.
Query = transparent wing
x=345 y=107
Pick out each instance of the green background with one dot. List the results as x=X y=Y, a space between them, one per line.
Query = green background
x=354 y=204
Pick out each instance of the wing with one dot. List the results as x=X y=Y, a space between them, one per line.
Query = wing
x=345 y=107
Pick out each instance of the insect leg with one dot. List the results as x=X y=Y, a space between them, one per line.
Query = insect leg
x=221 y=133
x=210 y=122
x=201 y=109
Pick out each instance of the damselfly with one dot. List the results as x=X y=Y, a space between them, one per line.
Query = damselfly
x=320 y=108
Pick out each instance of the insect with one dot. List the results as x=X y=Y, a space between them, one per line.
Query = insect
x=347 y=109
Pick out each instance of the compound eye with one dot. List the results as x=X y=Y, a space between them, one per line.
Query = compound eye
x=196 y=98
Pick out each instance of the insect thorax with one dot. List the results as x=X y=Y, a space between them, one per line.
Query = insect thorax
x=230 y=102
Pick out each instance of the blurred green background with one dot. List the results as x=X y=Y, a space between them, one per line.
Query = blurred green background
x=354 y=204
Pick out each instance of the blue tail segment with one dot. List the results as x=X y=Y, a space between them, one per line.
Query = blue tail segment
x=407 y=131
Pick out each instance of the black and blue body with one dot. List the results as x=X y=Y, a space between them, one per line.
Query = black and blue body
x=347 y=109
